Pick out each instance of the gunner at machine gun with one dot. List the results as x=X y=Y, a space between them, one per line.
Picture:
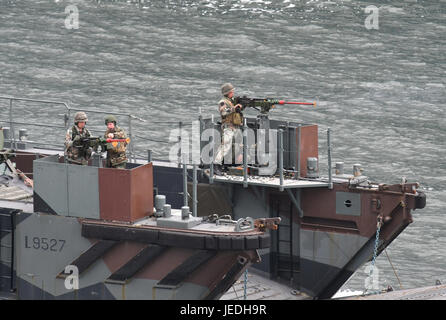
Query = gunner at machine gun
x=232 y=119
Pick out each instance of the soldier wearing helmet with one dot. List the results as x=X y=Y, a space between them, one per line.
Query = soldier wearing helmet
x=116 y=157
x=232 y=119
x=75 y=153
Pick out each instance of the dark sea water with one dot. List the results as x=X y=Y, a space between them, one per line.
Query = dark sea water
x=381 y=91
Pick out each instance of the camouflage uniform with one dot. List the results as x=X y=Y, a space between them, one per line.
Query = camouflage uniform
x=231 y=127
x=76 y=155
x=116 y=157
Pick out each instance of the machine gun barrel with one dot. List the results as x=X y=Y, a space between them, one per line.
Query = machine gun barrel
x=303 y=103
x=265 y=104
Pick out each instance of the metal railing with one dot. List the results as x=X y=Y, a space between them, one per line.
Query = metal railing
x=67 y=116
x=281 y=170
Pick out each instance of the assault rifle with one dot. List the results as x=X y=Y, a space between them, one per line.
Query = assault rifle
x=265 y=104
x=85 y=143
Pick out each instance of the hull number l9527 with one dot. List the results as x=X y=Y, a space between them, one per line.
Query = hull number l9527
x=45 y=244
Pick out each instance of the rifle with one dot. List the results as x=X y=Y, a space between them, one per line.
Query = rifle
x=85 y=143
x=265 y=104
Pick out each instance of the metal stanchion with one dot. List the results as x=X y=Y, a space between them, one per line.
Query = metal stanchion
x=245 y=155
x=211 y=167
x=299 y=131
x=184 y=181
x=281 y=158
x=194 y=191
x=330 y=182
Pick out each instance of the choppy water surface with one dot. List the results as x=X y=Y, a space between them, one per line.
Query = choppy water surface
x=381 y=91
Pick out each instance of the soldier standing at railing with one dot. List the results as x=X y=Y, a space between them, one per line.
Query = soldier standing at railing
x=116 y=157
x=231 y=119
x=75 y=152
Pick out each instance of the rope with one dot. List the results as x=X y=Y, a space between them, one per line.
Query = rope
x=394 y=271
x=245 y=284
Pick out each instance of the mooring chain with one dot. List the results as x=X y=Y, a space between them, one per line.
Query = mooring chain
x=375 y=249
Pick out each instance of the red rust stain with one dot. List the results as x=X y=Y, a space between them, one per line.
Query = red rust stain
x=321 y=203
x=165 y=263
x=121 y=253
x=212 y=272
x=126 y=195
x=308 y=146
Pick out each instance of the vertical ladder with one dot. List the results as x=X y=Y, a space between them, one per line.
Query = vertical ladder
x=7 y=225
x=285 y=267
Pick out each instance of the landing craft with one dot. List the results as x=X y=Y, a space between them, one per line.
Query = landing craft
x=89 y=232
x=124 y=249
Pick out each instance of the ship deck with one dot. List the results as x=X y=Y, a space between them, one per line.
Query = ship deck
x=198 y=227
x=259 y=287
x=14 y=194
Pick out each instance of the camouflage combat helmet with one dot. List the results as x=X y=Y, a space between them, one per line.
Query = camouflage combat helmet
x=110 y=118
x=80 y=117
x=226 y=88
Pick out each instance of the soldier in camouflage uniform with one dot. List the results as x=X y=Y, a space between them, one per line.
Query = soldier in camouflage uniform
x=116 y=157
x=75 y=153
x=232 y=119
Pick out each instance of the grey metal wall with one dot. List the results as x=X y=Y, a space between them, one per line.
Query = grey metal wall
x=69 y=190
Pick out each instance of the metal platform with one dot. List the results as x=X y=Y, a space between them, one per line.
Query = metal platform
x=271 y=182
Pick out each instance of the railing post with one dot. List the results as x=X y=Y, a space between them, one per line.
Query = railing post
x=245 y=154
x=211 y=166
x=281 y=158
x=194 y=191
x=330 y=179
x=184 y=180
x=132 y=155
x=11 y=125
x=299 y=127
x=180 y=151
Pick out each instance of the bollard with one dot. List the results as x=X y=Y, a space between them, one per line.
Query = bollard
x=339 y=168
x=167 y=211
x=185 y=212
x=160 y=201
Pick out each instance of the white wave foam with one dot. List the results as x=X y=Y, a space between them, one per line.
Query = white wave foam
x=346 y=293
